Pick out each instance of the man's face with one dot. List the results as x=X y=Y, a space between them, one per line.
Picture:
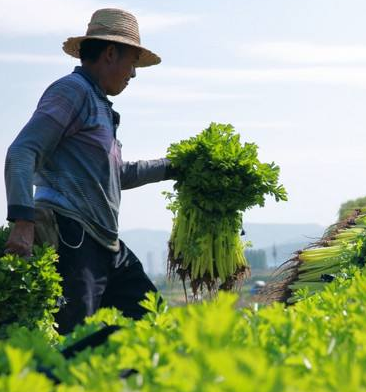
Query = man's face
x=121 y=69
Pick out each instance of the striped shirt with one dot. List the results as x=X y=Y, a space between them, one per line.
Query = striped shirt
x=70 y=152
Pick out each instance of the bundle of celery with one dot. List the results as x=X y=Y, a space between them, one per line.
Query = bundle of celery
x=342 y=246
x=217 y=178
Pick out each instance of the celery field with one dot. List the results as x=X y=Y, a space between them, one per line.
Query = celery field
x=303 y=332
x=316 y=344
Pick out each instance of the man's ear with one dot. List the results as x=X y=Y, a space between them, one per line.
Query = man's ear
x=110 y=53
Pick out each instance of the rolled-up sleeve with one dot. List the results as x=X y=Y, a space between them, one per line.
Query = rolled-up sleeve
x=56 y=114
x=135 y=174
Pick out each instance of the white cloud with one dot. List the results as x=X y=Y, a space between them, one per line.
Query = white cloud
x=70 y=17
x=157 y=22
x=324 y=75
x=33 y=58
x=238 y=125
x=303 y=53
x=264 y=125
x=343 y=75
x=19 y=17
x=180 y=93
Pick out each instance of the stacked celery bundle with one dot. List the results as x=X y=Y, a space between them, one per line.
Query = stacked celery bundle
x=338 y=249
x=342 y=246
x=217 y=178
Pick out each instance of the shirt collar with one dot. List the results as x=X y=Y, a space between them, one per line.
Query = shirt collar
x=86 y=75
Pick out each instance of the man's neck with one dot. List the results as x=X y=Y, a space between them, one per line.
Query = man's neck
x=95 y=74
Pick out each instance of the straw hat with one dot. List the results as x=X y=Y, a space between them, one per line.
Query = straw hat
x=114 y=25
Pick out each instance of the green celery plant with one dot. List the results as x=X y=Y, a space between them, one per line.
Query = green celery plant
x=217 y=178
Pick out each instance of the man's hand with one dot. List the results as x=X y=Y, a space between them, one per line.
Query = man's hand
x=170 y=171
x=21 y=239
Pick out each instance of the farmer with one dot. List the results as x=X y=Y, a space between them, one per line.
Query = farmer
x=69 y=150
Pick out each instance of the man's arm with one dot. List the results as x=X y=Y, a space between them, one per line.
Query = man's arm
x=26 y=153
x=33 y=145
x=31 y=148
x=135 y=174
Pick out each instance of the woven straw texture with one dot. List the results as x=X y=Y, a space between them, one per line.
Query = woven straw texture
x=114 y=25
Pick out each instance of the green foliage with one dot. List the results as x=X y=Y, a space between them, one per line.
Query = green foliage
x=29 y=289
x=316 y=345
x=4 y=235
x=349 y=206
x=217 y=178
x=216 y=173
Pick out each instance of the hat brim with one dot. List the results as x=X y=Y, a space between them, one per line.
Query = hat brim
x=146 y=58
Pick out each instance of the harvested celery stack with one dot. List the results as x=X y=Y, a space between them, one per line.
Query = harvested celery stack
x=343 y=245
x=216 y=179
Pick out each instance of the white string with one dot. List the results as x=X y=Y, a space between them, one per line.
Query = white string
x=72 y=246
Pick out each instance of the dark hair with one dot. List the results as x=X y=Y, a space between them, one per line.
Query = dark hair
x=90 y=49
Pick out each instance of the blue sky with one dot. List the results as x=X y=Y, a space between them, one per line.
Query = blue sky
x=290 y=75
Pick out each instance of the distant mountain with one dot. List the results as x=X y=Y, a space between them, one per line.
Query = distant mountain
x=263 y=235
x=283 y=252
x=151 y=246
x=280 y=241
